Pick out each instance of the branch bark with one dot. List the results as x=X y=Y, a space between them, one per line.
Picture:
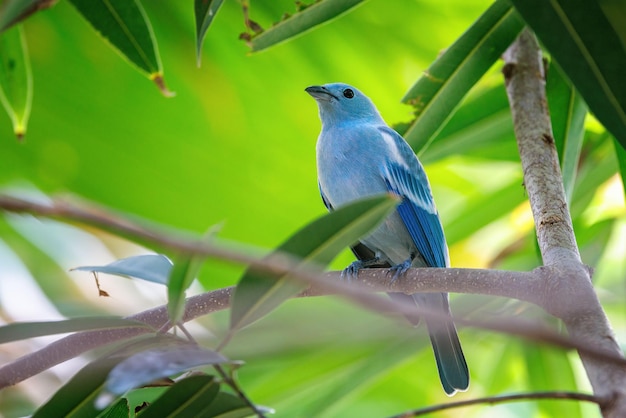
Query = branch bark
x=569 y=288
x=360 y=291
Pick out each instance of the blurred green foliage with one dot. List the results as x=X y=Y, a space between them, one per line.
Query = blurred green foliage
x=236 y=147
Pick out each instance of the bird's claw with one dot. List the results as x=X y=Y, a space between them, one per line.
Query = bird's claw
x=352 y=271
x=399 y=269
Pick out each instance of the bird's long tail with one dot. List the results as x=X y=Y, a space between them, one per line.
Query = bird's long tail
x=451 y=364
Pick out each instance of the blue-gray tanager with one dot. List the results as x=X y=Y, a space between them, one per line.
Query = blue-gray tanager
x=358 y=155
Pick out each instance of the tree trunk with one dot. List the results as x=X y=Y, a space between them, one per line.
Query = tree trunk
x=569 y=294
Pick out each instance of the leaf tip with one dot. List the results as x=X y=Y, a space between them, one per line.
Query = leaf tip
x=394 y=197
x=19 y=134
x=158 y=79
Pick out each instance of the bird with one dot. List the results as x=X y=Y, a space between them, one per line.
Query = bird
x=359 y=155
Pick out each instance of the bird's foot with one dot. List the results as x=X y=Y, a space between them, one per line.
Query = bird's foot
x=399 y=269
x=352 y=271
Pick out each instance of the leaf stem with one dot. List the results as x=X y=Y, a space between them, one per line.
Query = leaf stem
x=230 y=381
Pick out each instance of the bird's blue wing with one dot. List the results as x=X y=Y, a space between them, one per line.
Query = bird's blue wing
x=408 y=180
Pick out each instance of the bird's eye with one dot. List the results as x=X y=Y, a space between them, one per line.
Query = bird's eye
x=348 y=93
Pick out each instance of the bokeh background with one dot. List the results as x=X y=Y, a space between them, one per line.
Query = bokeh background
x=236 y=148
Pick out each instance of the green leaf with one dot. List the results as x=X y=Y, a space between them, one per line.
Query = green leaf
x=593 y=239
x=186 y=269
x=599 y=165
x=226 y=405
x=23 y=330
x=119 y=409
x=621 y=159
x=318 y=243
x=476 y=215
x=148 y=366
x=16 y=81
x=14 y=11
x=205 y=11
x=356 y=374
x=439 y=91
x=584 y=42
x=567 y=112
x=124 y=24
x=300 y=22
x=183 y=274
x=154 y=268
x=187 y=397
x=550 y=369
x=481 y=127
x=76 y=398
x=499 y=373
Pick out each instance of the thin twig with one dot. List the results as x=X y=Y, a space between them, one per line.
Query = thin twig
x=190 y=337
x=573 y=396
x=230 y=381
x=136 y=229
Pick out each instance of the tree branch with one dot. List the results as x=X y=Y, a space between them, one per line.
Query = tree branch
x=569 y=288
x=525 y=82
x=573 y=396
x=517 y=285
x=369 y=280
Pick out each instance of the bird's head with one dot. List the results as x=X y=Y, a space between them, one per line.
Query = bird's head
x=341 y=103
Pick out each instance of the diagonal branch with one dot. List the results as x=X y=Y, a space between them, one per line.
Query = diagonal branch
x=525 y=82
x=517 y=285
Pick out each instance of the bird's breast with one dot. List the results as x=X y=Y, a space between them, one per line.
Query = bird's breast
x=350 y=167
x=348 y=171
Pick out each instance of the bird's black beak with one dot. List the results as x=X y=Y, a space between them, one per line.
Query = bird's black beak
x=320 y=93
